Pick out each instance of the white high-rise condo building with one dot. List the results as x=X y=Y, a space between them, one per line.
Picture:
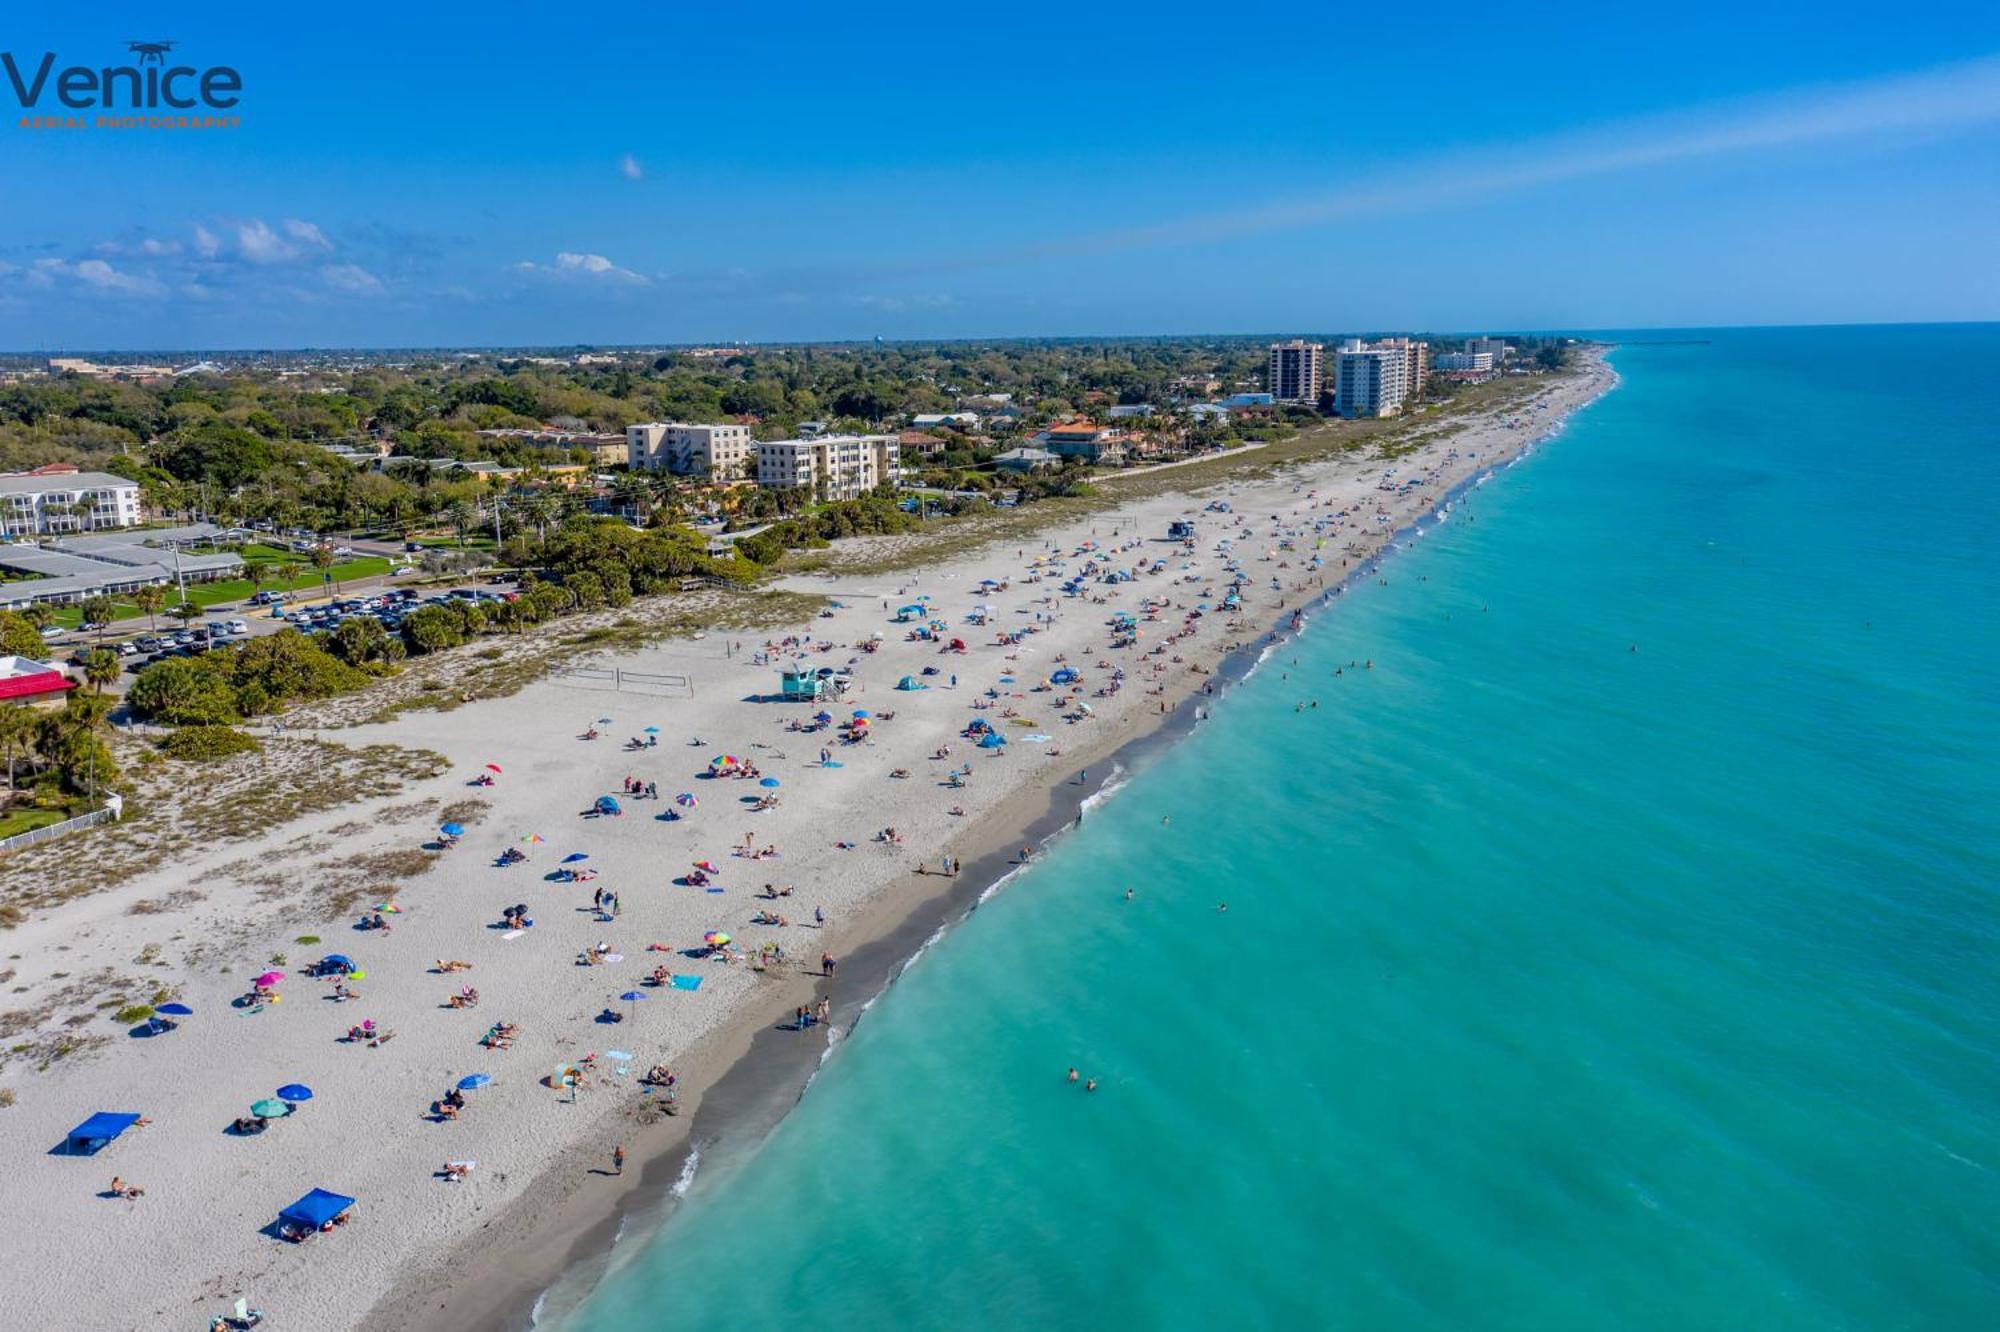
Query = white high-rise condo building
x=1497 y=348
x=1416 y=362
x=1295 y=371
x=1479 y=362
x=831 y=466
x=719 y=451
x=1368 y=381
x=53 y=500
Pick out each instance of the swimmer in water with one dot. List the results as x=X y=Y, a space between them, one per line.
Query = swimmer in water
x=1091 y=1085
x=1128 y=894
x=1072 y=1075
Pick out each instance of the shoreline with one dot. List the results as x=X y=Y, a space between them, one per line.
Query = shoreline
x=768 y=1070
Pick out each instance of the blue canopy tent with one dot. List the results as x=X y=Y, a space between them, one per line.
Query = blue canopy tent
x=1064 y=676
x=96 y=1132
x=315 y=1209
x=992 y=740
x=909 y=683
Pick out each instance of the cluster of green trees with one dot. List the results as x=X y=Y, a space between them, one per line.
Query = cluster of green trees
x=217 y=688
x=59 y=752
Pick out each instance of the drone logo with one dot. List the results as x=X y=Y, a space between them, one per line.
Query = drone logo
x=150 y=53
x=152 y=91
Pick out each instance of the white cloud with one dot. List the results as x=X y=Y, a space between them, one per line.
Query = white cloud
x=205 y=243
x=350 y=277
x=629 y=166
x=95 y=275
x=585 y=268
x=307 y=234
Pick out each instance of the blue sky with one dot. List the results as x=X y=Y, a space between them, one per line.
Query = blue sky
x=527 y=175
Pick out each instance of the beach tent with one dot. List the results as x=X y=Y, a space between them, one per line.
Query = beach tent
x=1064 y=676
x=608 y=805
x=316 y=1209
x=96 y=1132
x=910 y=682
x=992 y=740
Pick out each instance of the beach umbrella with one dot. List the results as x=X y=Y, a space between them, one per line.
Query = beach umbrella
x=573 y=857
x=822 y=716
x=771 y=782
x=707 y=867
x=715 y=938
x=269 y=1109
x=533 y=839
x=453 y=830
x=604 y=721
x=270 y=978
x=295 y=1091
x=341 y=960
x=686 y=800
x=632 y=997
x=861 y=714
x=492 y=767
x=473 y=1081
x=652 y=730
x=175 y=1010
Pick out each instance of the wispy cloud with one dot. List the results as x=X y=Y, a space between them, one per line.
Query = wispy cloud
x=628 y=166
x=1940 y=99
x=585 y=267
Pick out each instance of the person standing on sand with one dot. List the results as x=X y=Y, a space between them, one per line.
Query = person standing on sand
x=826 y=964
x=618 y=1159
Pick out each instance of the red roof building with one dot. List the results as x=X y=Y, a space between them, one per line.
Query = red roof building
x=23 y=680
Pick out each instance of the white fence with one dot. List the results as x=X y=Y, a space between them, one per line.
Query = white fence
x=21 y=841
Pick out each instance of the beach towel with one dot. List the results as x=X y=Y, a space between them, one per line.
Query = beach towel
x=513 y=934
x=687 y=982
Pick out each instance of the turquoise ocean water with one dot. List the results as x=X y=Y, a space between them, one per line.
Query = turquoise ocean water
x=1562 y=985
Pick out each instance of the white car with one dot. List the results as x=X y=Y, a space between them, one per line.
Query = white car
x=53 y=631
x=238 y=626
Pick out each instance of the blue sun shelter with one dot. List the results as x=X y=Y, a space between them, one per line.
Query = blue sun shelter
x=96 y=1133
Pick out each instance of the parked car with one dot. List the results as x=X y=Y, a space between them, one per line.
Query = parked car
x=53 y=631
x=238 y=626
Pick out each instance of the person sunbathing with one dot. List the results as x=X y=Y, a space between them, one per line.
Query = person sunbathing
x=443 y=966
x=121 y=1189
x=456 y=1171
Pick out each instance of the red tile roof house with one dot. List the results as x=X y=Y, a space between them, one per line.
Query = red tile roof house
x=26 y=682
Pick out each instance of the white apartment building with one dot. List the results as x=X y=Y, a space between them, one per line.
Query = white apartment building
x=1368 y=381
x=831 y=466
x=689 y=450
x=50 y=502
x=1416 y=362
x=1294 y=374
x=1478 y=362
x=1497 y=348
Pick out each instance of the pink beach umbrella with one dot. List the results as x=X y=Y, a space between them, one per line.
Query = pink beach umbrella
x=270 y=978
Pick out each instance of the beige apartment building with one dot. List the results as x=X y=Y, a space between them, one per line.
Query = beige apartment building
x=720 y=451
x=831 y=466
x=1295 y=371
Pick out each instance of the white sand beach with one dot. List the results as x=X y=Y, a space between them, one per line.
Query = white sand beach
x=199 y=1236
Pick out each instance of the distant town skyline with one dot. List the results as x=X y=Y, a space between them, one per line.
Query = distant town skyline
x=419 y=179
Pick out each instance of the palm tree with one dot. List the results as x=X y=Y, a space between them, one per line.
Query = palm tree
x=150 y=599
x=17 y=738
x=322 y=560
x=100 y=668
x=288 y=573
x=97 y=610
x=256 y=573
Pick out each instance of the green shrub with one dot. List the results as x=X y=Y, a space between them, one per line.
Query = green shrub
x=202 y=744
x=126 y=1017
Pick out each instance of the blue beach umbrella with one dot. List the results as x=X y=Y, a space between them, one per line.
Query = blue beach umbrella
x=861 y=714
x=473 y=1081
x=175 y=1010
x=651 y=730
x=771 y=782
x=453 y=830
x=573 y=857
x=633 y=996
x=295 y=1091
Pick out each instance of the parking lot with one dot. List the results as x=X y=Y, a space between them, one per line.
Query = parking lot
x=265 y=613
